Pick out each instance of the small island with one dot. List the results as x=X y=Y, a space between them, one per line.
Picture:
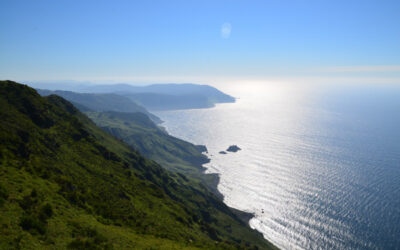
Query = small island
x=233 y=148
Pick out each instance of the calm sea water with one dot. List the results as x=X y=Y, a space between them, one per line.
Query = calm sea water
x=319 y=165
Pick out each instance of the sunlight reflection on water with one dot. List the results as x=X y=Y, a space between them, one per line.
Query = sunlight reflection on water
x=316 y=173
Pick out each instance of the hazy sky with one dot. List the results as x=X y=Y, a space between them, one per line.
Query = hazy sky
x=198 y=40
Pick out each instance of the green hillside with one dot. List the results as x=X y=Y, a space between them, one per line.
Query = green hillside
x=177 y=155
x=65 y=183
x=150 y=140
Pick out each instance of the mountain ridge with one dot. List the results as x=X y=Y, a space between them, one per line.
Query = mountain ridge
x=100 y=102
x=168 y=96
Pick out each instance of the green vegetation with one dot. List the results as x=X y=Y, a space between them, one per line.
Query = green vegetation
x=176 y=155
x=67 y=184
x=142 y=134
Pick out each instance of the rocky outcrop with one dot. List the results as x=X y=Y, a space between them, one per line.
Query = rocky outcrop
x=233 y=148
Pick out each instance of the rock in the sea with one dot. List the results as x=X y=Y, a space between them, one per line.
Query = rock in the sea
x=233 y=148
x=222 y=152
x=202 y=148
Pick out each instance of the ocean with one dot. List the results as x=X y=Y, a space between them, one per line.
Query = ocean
x=319 y=165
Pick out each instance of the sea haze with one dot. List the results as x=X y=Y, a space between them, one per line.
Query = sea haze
x=319 y=166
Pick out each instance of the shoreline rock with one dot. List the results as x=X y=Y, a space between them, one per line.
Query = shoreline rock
x=202 y=148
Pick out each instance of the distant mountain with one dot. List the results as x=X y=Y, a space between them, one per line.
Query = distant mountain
x=159 y=102
x=167 y=96
x=59 y=85
x=65 y=183
x=100 y=102
x=167 y=88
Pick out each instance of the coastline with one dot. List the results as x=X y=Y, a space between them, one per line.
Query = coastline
x=211 y=182
x=213 y=187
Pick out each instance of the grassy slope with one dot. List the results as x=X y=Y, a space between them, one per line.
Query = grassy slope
x=66 y=183
x=153 y=142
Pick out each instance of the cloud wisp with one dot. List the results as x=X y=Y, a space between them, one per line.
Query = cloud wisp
x=226 y=29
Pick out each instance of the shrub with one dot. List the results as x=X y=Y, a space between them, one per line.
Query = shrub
x=88 y=244
x=87 y=238
x=30 y=223
x=3 y=195
x=45 y=212
x=27 y=202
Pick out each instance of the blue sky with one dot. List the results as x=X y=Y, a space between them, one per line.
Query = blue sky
x=197 y=40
